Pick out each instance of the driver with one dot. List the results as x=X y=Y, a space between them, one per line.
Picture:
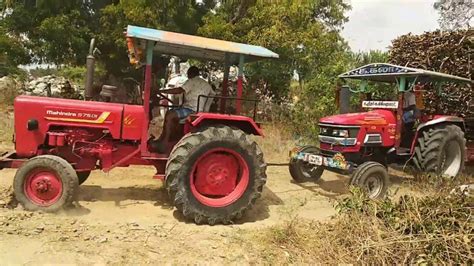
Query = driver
x=191 y=89
x=409 y=117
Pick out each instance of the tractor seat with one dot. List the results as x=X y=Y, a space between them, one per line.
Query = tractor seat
x=108 y=93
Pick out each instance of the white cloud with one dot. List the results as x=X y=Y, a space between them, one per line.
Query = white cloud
x=374 y=23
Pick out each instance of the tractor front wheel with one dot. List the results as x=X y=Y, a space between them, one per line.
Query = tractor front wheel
x=215 y=175
x=373 y=178
x=45 y=183
x=441 y=150
x=303 y=171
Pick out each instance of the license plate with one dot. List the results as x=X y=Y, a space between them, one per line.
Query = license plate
x=310 y=158
x=338 y=161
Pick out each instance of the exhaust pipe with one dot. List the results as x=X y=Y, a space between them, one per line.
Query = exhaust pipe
x=90 y=66
x=344 y=99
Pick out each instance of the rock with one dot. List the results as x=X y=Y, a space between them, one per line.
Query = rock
x=39 y=229
x=52 y=86
x=103 y=240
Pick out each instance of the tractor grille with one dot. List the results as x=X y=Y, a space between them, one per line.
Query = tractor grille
x=338 y=135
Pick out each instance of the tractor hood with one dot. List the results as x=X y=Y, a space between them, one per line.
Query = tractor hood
x=375 y=117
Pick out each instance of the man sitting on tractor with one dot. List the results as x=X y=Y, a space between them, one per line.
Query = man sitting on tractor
x=192 y=89
x=410 y=114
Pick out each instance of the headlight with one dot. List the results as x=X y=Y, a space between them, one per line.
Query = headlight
x=323 y=130
x=344 y=133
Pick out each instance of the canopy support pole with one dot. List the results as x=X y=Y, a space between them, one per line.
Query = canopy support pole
x=225 y=84
x=398 y=131
x=240 y=79
x=146 y=96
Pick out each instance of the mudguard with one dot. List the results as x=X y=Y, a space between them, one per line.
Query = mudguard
x=244 y=123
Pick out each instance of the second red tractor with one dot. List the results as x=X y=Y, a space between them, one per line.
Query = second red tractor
x=364 y=144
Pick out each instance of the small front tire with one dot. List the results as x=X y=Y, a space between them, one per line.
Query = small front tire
x=302 y=171
x=45 y=183
x=373 y=178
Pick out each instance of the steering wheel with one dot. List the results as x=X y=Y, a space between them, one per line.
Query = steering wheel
x=163 y=97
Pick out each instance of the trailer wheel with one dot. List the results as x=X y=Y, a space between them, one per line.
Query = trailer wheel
x=302 y=171
x=46 y=183
x=441 y=151
x=373 y=177
x=215 y=175
x=83 y=176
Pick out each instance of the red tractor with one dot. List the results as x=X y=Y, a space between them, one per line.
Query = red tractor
x=390 y=132
x=212 y=168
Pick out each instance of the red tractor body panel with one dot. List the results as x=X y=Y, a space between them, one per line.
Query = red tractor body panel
x=51 y=113
x=381 y=122
x=375 y=117
x=133 y=122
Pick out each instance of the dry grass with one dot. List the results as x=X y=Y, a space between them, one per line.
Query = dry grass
x=276 y=144
x=437 y=229
x=6 y=124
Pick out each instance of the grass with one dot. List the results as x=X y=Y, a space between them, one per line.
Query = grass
x=436 y=229
x=276 y=144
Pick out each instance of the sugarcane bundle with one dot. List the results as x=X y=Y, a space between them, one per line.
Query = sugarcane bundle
x=448 y=52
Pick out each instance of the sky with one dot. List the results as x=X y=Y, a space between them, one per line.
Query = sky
x=374 y=23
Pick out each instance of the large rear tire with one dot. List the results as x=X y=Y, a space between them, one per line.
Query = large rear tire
x=45 y=183
x=441 y=150
x=373 y=178
x=215 y=175
x=302 y=171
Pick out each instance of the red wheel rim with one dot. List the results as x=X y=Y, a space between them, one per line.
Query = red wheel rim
x=43 y=187
x=219 y=177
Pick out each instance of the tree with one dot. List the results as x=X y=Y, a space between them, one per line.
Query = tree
x=455 y=14
x=304 y=33
x=58 y=32
x=12 y=53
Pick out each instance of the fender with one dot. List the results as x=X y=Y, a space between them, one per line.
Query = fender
x=441 y=120
x=244 y=123
x=436 y=121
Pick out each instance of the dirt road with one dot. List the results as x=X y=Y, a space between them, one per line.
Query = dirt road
x=125 y=217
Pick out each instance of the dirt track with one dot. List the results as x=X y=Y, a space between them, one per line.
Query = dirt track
x=125 y=217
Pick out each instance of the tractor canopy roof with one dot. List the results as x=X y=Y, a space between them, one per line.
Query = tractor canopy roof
x=382 y=72
x=189 y=46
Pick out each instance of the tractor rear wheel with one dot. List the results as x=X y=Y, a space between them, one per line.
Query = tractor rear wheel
x=441 y=150
x=372 y=177
x=83 y=176
x=215 y=175
x=303 y=171
x=46 y=183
